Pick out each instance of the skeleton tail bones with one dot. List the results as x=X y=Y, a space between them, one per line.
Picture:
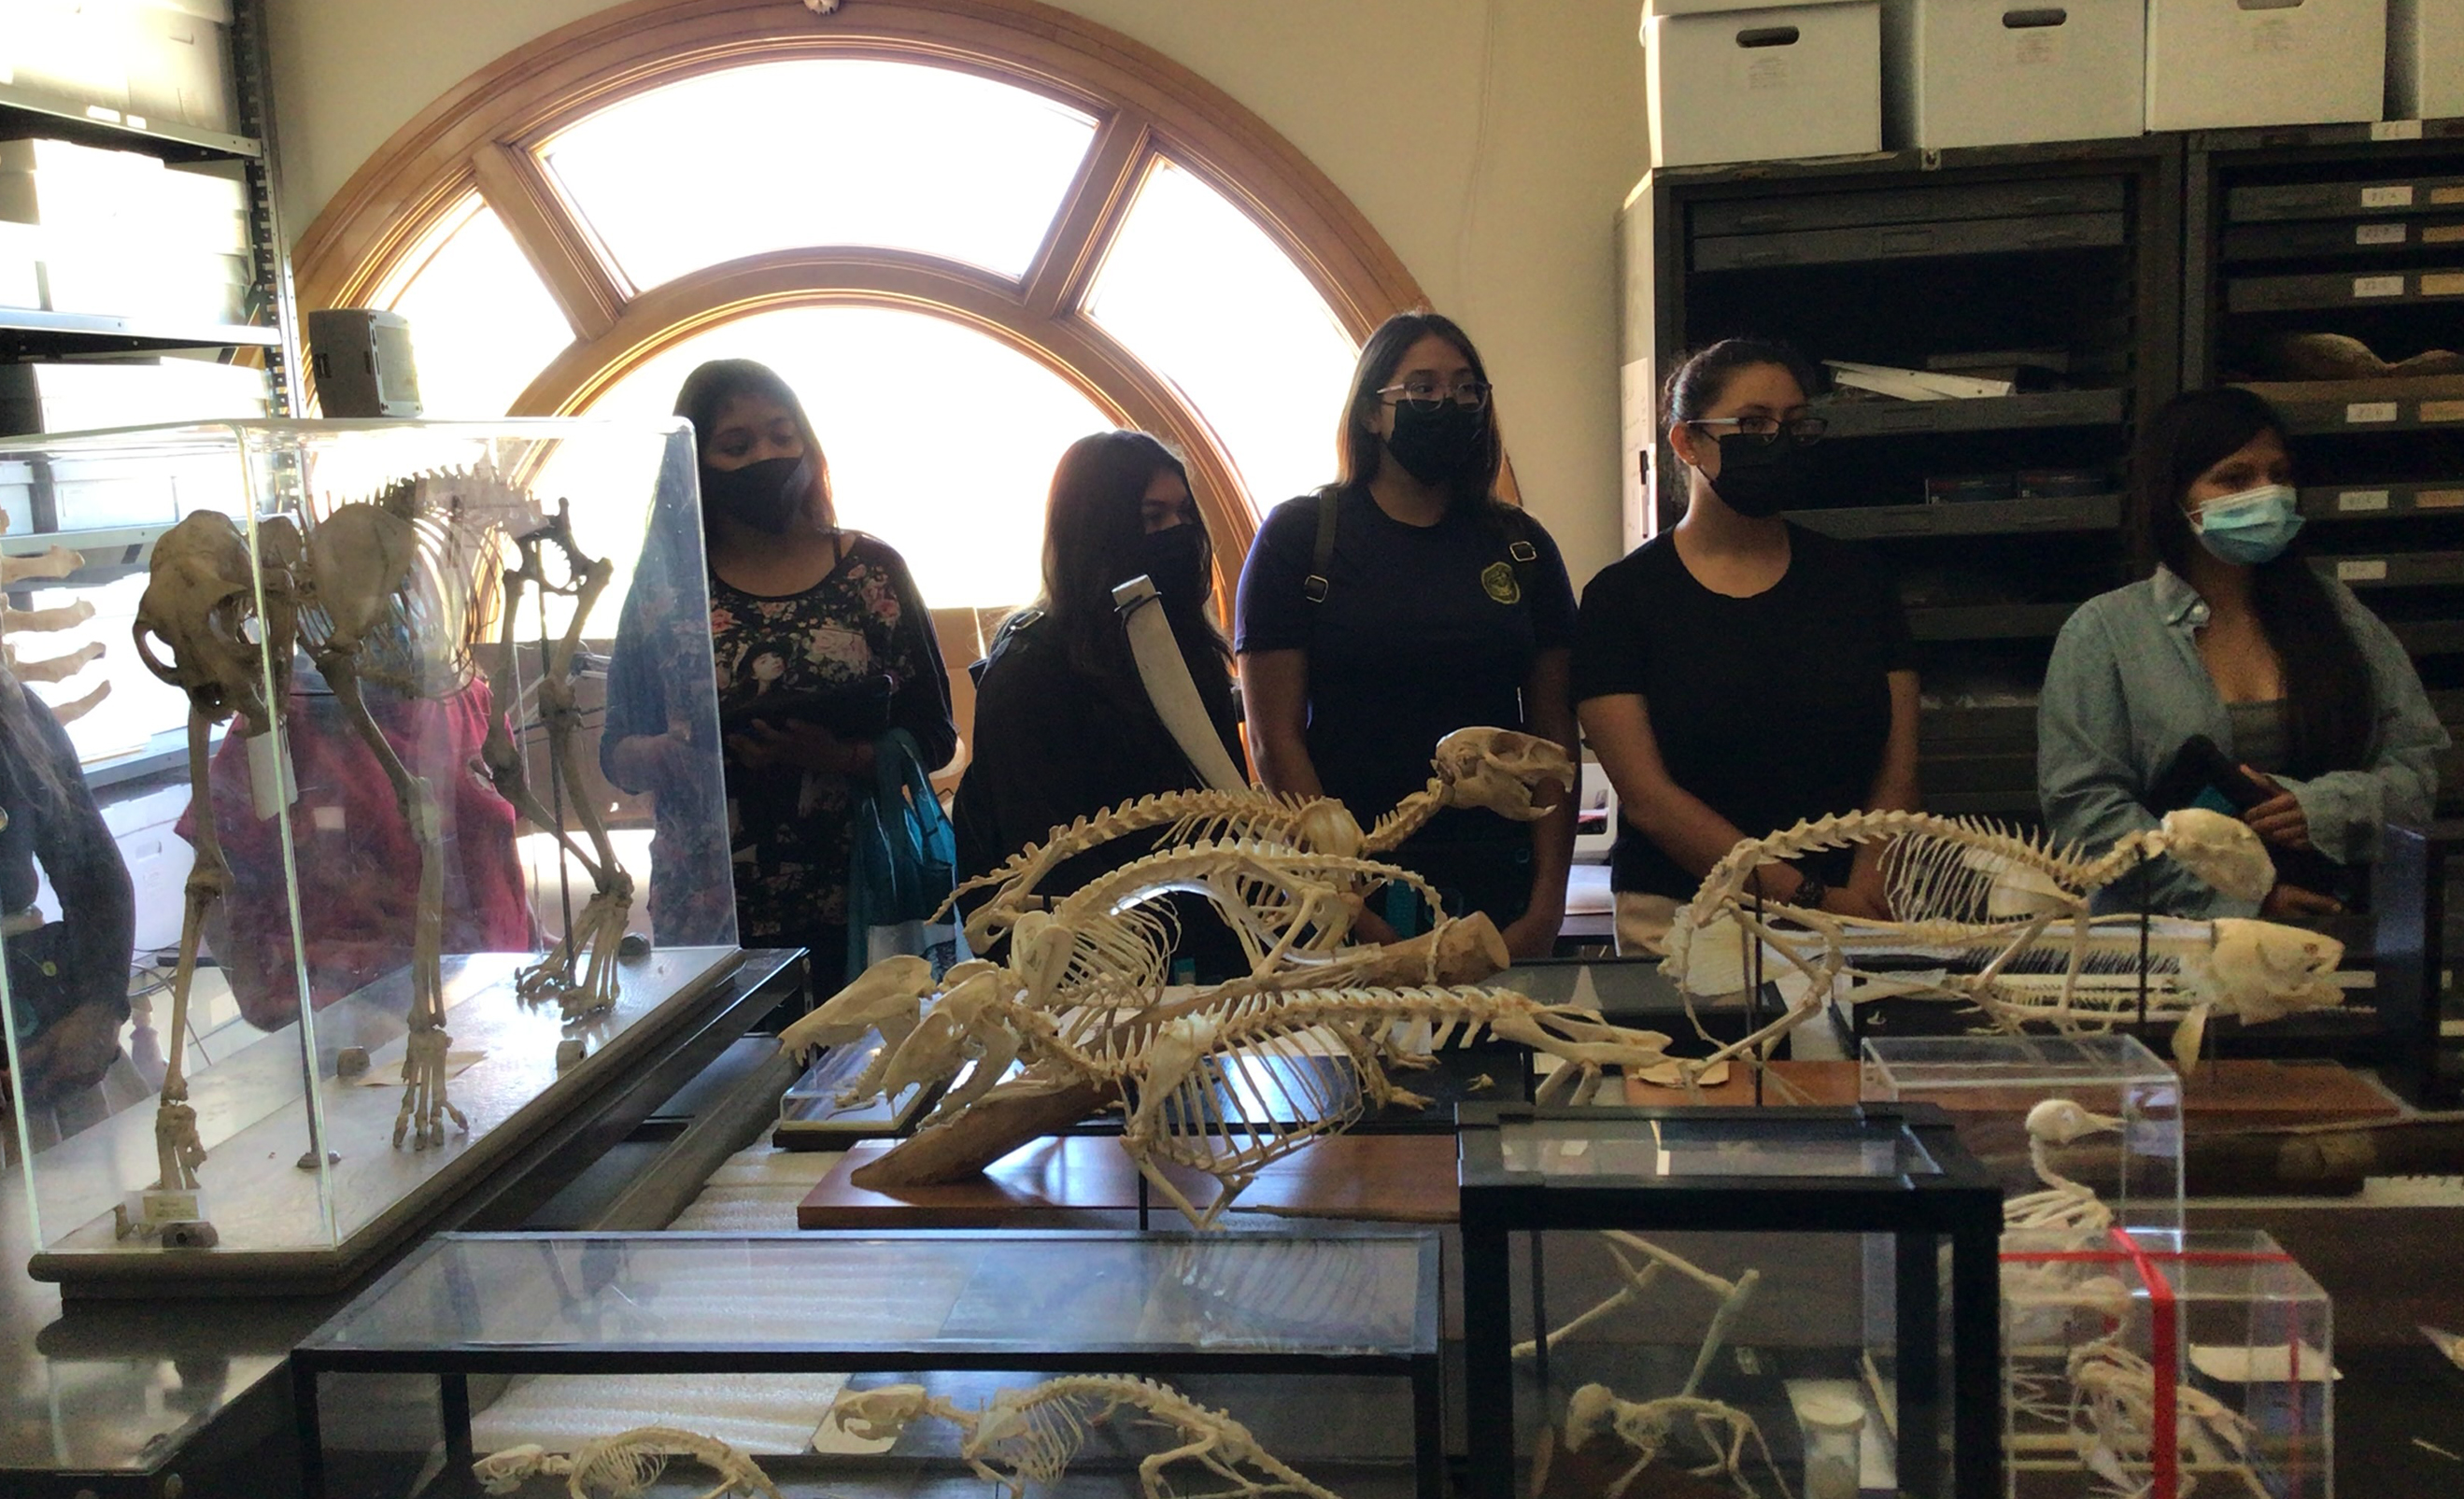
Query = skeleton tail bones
x=626 y=1465
x=1036 y=1433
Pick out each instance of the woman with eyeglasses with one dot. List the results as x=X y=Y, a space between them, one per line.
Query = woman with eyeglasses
x=2232 y=675
x=1740 y=672
x=1399 y=603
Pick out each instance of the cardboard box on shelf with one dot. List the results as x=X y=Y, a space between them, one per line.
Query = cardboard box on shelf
x=21 y=265
x=179 y=67
x=1733 y=84
x=2013 y=72
x=2220 y=64
x=69 y=51
x=2425 y=77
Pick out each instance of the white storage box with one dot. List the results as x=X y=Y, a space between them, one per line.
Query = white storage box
x=179 y=67
x=73 y=51
x=1755 y=84
x=21 y=265
x=2221 y=64
x=2012 y=72
x=2425 y=59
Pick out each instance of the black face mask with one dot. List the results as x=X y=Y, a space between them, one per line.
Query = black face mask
x=766 y=495
x=1437 y=447
x=1760 y=478
x=1175 y=560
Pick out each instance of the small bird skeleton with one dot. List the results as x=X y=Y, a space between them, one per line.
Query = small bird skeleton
x=1031 y=1436
x=2006 y=921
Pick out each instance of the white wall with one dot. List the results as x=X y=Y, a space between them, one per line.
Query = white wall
x=1489 y=141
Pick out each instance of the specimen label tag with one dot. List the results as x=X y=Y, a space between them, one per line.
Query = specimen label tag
x=2379 y=234
x=271 y=785
x=2369 y=411
x=2378 y=286
x=2353 y=499
x=2395 y=195
x=159 y=1206
x=2370 y=570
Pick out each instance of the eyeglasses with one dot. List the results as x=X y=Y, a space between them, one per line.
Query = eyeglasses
x=1428 y=395
x=1802 y=430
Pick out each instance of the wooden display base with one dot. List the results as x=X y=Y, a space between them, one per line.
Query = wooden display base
x=2232 y=1094
x=1083 y=1181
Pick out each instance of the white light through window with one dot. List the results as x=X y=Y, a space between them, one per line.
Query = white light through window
x=941 y=440
x=1194 y=289
x=482 y=326
x=788 y=154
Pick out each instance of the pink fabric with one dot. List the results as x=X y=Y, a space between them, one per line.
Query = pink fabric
x=359 y=868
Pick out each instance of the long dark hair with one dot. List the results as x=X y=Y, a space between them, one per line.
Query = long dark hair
x=1702 y=377
x=1359 y=448
x=2329 y=696
x=711 y=387
x=1093 y=522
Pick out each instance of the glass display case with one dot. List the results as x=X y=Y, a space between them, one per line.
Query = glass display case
x=1665 y=1293
x=877 y=1365
x=444 y=758
x=2168 y=1363
x=2120 y=1144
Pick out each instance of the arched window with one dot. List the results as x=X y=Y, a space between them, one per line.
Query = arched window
x=967 y=230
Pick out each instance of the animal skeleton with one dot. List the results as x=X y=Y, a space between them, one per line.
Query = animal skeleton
x=202 y=603
x=2063 y=1206
x=2114 y=1395
x=1173 y=1065
x=1626 y=1249
x=592 y=938
x=1036 y=1433
x=2009 y=919
x=1649 y=1426
x=627 y=1465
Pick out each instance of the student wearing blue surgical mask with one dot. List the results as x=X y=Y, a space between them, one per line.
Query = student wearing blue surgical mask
x=2318 y=716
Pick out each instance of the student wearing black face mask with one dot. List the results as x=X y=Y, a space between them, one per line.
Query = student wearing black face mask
x=1402 y=603
x=1739 y=673
x=822 y=647
x=1064 y=727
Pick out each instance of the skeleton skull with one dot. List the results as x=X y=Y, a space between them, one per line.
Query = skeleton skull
x=879 y=1415
x=2221 y=850
x=2261 y=971
x=200 y=602
x=888 y=989
x=2061 y=1121
x=1499 y=770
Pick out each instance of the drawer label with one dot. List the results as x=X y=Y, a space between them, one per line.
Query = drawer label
x=2358 y=411
x=1765 y=74
x=2442 y=283
x=2445 y=195
x=2379 y=234
x=2378 y=286
x=2438 y=499
x=2362 y=570
x=2442 y=410
x=2442 y=233
x=2395 y=195
x=2352 y=500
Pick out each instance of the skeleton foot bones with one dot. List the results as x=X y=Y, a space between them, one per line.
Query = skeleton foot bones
x=1648 y=1428
x=627 y=1465
x=1031 y=1436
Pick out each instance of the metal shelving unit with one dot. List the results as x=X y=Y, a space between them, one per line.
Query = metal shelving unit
x=27 y=334
x=1890 y=258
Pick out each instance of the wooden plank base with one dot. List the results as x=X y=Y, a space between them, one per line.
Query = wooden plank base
x=1087 y=1181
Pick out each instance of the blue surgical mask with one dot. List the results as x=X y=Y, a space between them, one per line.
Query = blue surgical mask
x=2251 y=527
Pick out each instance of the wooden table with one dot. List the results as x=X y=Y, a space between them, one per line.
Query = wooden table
x=1087 y=1181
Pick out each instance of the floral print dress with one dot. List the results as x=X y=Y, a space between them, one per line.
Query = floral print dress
x=788 y=830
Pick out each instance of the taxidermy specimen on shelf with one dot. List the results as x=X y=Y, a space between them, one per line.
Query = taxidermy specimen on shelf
x=1081 y=1003
x=2006 y=919
x=626 y=1465
x=1031 y=1436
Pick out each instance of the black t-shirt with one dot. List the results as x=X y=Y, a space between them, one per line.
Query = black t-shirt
x=1770 y=709
x=1410 y=642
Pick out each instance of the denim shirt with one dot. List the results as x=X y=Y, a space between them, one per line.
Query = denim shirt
x=2126 y=689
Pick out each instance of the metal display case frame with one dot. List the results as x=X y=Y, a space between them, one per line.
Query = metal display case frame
x=1958 y=1203
x=332 y=1349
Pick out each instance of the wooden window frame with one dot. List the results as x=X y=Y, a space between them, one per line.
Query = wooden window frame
x=486 y=134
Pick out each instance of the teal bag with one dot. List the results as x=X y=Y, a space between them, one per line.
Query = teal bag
x=904 y=861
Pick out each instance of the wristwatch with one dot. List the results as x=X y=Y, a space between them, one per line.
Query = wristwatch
x=1810 y=888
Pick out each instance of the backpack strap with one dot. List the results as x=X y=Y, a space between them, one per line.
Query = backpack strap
x=1314 y=587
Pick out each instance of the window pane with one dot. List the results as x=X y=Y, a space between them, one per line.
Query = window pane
x=1193 y=287
x=788 y=154
x=482 y=324
x=942 y=441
